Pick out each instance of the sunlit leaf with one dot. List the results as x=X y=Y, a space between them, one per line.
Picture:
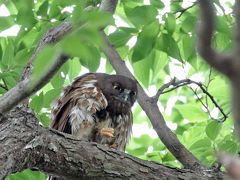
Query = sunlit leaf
x=213 y=129
x=146 y=41
x=27 y=175
x=37 y=102
x=170 y=23
x=192 y=112
x=119 y=38
x=6 y=22
x=141 y=15
x=167 y=44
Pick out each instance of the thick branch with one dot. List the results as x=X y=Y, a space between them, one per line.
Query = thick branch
x=52 y=36
x=151 y=109
x=25 y=144
x=236 y=79
x=222 y=62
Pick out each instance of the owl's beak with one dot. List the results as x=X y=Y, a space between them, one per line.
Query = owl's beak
x=125 y=95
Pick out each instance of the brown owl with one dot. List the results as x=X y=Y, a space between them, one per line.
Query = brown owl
x=97 y=107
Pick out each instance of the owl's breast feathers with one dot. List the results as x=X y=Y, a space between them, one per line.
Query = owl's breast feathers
x=83 y=110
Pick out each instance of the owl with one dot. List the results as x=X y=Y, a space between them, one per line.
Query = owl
x=97 y=107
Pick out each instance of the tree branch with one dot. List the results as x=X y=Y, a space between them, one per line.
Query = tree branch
x=222 y=62
x=176 y=84
x=236 y=80
x=182 y=11
x=25 y=144
x=164 y=133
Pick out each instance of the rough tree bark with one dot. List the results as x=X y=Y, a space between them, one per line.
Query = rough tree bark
x=25 y=144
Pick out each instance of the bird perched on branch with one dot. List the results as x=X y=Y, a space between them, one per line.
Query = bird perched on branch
x=97 y=107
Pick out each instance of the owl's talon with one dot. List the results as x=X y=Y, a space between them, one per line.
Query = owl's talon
x=114 y=146
x=107 y=132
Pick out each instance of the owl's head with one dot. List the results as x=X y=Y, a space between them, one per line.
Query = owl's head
x=118 y=89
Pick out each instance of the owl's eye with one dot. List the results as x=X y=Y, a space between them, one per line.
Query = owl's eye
x=133 y=93
x=117 y=87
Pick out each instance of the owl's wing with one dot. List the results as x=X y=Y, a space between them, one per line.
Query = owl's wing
x=78 y=104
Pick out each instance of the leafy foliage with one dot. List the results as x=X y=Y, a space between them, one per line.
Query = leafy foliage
x=158 y=46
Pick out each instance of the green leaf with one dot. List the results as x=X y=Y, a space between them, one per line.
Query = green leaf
x=37 y=102
x=159 y=62
x=8 y=54
x=43 y=9
x=228 y=146
x=141 y=15
x=192 y=112
x=219 y=89
x=11 y=7
x=167 y=44
x=170 y=23
x=27 y=175
x=157 y=3
x=213 y=129
x=10 y=81
x=201 y=144
x=50 y=96
x=54 y=10
x=188 y=44
x=57 y=81
x=168 y=157
x=223 y=26
x=188 y=25
x=119 y=38
x=44 y=119
x=6 y=22
x=93 y=61
x=43 y=61
x=25 y=16
x=142 y=69
x=144 y=140
x=75 y=68
x=145 y=41
x=21 y=57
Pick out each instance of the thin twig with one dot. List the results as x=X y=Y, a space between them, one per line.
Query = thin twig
x=182 y=11
x=4 y=87
x=176 y=84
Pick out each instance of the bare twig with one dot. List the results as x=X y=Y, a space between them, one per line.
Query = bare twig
x=176 y=84
x=4 y=87
x=182 y=11
x=208 y=83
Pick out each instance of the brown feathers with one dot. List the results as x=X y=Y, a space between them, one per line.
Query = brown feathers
x=96 y=103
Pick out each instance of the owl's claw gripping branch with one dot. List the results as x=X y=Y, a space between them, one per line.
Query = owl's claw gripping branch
x=107 y=132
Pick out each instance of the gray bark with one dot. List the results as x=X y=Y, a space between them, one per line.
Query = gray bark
x=25 y=144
